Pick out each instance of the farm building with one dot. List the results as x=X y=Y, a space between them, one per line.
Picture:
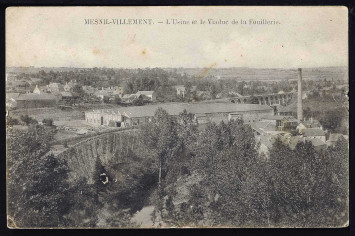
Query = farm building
x=33 y=100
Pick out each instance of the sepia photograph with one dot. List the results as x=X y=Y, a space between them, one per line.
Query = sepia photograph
x=177 y=117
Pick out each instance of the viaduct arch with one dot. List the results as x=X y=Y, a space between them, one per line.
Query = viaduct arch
x=82 y=156
x=265 y=99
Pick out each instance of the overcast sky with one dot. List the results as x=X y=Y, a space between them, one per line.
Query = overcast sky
x=58 y=37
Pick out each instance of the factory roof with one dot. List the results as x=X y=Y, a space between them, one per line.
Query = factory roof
x=105 y=111
x=200 y=108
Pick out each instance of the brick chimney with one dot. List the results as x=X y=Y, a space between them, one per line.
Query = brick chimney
x=299 y=97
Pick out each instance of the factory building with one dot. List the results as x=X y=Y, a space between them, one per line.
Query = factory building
x=209 y=112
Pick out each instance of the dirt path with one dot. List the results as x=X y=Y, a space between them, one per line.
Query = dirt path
x=143 y=217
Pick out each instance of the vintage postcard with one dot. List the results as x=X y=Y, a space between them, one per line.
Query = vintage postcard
x=165 y=117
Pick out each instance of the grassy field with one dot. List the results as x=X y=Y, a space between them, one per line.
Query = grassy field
x=50 y=113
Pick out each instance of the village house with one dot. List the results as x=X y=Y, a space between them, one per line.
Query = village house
x=317 y=143
x=118 y=91
x=11 y=100
x=180 y=90
x=44 y=89
x=55 y=87
x=310 y=123
x=21 y=86
x=89 y=90
x=234 y=94
x=151 y=95
x=282 y=123
x=128 y=98
x=66 y=95
x=333 y=138
x=102 y=94
x=203 y=95
x=286 y=111
x=37 y=90
x=109 y=92
x=105 y=117
x=314 y=133
x=69 y=86
x=263 y=127
x=34 y=100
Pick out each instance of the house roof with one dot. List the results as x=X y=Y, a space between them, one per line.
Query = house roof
x=313 y=132
x=334 y=137
x=34 y=96
x=179 y=86
x=55 y=85
x=145 y=93
x=130 y=95
x=316 y=142
x=274 y=117
x=262 y=126
x=66 y=94
x=102 y=92
x=311 y=123
x=267 y=140
x=290 y=108
x=56 y=93
x=294 y=140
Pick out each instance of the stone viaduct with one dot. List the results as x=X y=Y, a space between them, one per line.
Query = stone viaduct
x=264 y=99
x=81 y=157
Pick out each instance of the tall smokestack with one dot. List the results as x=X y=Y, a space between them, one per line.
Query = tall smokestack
x=299 y=104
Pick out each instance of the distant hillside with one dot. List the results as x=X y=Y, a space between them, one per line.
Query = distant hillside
x=243 y=73
x=32 y=69
x=236 y=73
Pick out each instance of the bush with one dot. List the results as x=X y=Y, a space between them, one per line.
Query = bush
x=28 y=120
x=47 y=122
x=12 y=121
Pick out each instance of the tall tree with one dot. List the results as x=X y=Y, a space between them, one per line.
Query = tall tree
x=160 y=135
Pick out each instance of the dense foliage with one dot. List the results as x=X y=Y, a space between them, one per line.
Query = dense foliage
x=195 y=175
x=37 y=183
x=300 y=187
